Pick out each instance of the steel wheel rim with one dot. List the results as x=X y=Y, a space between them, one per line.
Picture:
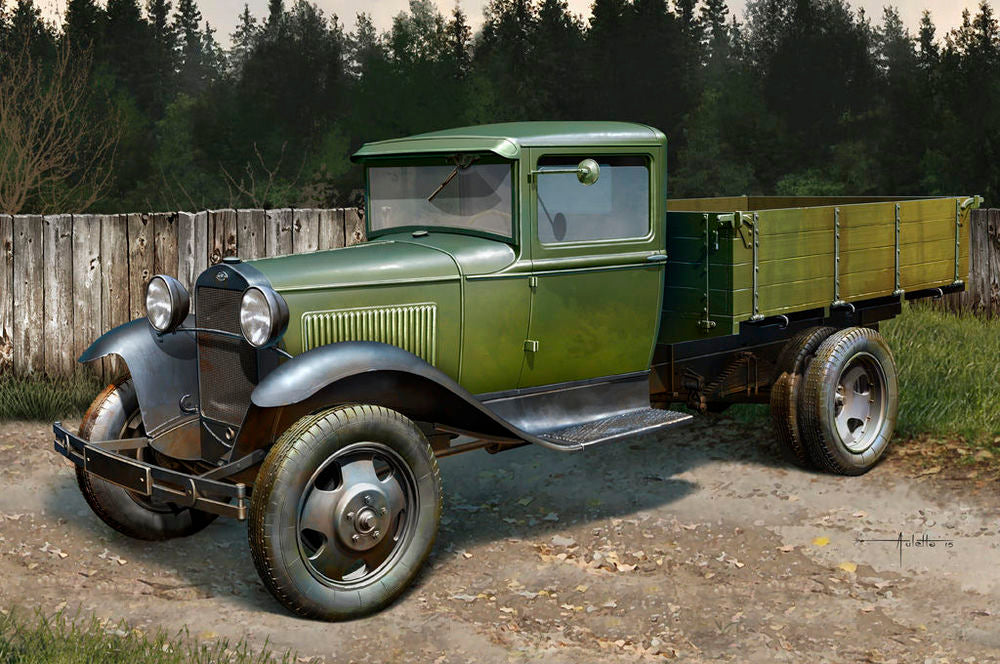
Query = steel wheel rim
x=356 y=516
x=860 y=402
x=135 y=428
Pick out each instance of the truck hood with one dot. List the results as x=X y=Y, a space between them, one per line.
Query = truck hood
x=399 y=258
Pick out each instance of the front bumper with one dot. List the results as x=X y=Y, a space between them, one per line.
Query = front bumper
x=101 y=459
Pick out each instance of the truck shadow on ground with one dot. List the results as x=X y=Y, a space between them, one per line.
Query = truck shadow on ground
x=528 y=493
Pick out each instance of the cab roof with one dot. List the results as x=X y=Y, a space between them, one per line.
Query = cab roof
x=508 y=138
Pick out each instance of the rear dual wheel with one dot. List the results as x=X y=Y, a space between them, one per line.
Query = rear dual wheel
x=344 y=512
x=835 y=399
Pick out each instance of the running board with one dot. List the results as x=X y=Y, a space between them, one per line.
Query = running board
x=616 y=427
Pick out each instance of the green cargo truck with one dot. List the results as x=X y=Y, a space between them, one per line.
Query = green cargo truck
x=526 y=283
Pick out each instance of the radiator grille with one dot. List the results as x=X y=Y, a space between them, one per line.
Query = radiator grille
x=412 y=327
x=227 y=367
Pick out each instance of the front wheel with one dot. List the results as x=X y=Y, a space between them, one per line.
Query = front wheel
x=344 y=512
x=113 y=415
x=849 y=402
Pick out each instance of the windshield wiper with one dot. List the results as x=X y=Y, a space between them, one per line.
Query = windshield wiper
x=460 y=165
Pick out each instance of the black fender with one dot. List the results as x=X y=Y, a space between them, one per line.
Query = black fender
x=164 y=369
x=366 y=372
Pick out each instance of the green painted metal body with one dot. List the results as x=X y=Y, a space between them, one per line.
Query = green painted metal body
x=498 y=314
x=811 y=253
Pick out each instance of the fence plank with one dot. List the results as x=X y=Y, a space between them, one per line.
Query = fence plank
x=222 y=235
x=250 y=234
x=978 y=261
x=140 y=262
x=993 y=291
x=331 y=229
x=305 y=235
x=165 y=243
x=354 y=226
x=6 y=292
x=86 y=281
x=58 y=297
x=192 y=247
x=278 y=232
x=29 y=290
x=115 y=282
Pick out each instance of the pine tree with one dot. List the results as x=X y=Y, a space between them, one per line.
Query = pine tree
x=161 y=53
x=275 y=15
x=191 y=56
x=928 y=47
x=459 y=36
x=81 y=24
x=124 y=48
x=691 y=28
x=244 y=38
x=715 y=29
x=26 y=26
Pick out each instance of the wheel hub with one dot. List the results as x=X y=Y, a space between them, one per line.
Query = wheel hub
x=362 y=517
x=859 y=403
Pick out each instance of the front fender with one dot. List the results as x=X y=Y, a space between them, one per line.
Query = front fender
x=366 y=372
x=164 y=369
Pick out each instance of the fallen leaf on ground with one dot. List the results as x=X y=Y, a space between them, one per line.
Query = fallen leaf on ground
x=559 y=540
x=848 y=567
x=821 y=541
x=934 y=470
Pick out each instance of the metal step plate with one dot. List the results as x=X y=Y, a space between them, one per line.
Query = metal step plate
x=615 y=427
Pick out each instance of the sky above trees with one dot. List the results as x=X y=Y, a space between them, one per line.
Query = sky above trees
x=221 y=13
x=946 y=13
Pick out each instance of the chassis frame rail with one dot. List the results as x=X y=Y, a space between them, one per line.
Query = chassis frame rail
x=145 y=479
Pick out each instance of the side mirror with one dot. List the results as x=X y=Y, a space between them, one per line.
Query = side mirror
x=587 y=171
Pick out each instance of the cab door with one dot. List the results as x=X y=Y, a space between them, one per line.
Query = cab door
x=598 y=262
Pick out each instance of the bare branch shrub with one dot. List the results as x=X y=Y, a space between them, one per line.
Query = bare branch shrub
x=54 y=155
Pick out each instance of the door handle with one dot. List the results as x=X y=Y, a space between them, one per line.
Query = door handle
x=657 y=258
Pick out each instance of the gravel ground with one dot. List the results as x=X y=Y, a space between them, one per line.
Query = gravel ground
x=696 y=545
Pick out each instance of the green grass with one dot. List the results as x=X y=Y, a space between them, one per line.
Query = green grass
x=61 y=640
x=949 y=373
x=44 y=399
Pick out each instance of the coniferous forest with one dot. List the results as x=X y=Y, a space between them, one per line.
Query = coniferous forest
x=143 y=106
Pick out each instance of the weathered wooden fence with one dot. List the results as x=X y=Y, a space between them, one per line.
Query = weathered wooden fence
x=982 y=291
x=65 y=279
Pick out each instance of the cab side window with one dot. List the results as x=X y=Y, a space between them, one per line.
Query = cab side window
x=614 y=207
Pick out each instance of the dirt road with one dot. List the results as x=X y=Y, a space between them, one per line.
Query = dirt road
x=697 y=545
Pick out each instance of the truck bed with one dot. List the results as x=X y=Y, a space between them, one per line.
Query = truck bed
x=744 y=258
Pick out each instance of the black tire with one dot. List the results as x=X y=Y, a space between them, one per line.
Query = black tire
x=789 y=369
x=373 y=526
x=115 y=414
x=849 y=402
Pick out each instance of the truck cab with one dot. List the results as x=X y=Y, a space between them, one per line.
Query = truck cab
x=562 y=277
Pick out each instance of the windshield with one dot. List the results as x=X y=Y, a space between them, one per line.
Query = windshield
x=460 y=195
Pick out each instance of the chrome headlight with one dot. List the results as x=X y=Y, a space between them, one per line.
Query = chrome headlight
x=167 y=303
x=263 y=316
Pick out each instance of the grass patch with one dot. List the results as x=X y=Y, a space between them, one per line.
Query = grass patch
x=949 y=373
x=46 y=399
x=61 y=640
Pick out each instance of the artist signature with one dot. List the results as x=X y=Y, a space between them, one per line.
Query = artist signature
x=914 y=542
